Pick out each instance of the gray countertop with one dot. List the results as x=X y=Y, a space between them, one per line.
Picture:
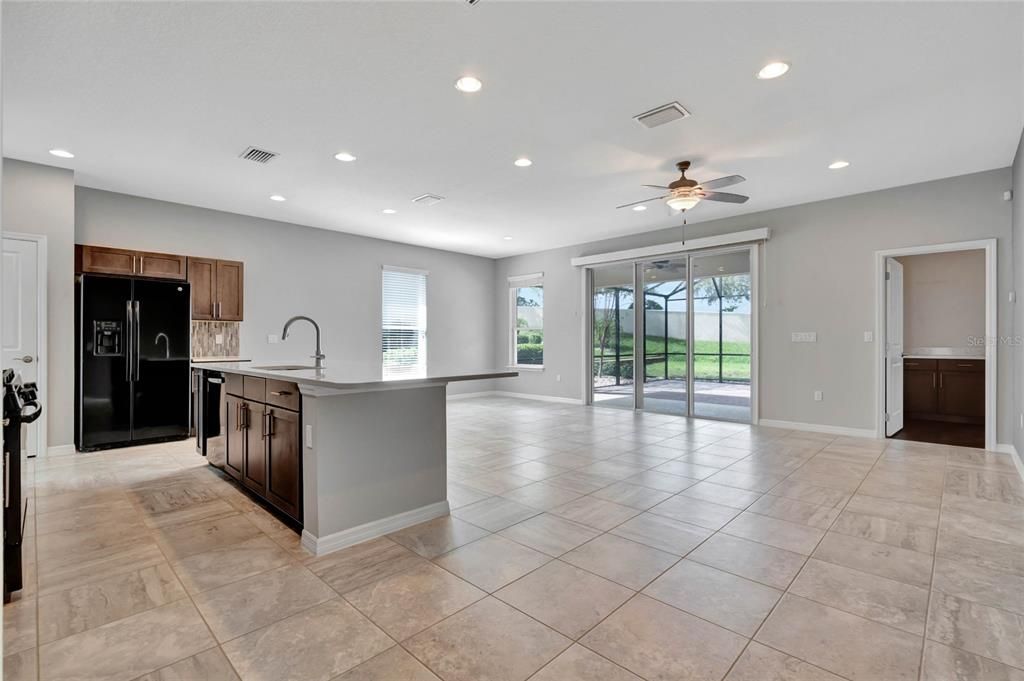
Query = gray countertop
x=347 y=379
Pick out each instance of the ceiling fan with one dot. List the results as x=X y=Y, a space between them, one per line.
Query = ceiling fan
x=685 y=193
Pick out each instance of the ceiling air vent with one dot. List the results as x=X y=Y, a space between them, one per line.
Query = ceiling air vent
x=672 y=111
x=257 y=155
x=428 y=199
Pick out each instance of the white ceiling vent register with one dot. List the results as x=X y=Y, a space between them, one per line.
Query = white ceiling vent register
x=428 y=199
x=257 y=155
x=673 y=111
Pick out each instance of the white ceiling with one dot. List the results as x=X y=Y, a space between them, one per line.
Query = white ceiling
x=158 y=99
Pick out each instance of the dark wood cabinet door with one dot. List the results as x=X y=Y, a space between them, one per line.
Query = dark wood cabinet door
x=284 y=461
x=202 y=275
x=230 y=290
x=234 y=454
x=920 y=392
x=161 y=266
x=962 y=395
x=103 y=260
x=254 y=474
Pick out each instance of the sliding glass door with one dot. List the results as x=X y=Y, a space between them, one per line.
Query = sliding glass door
x=697 y=330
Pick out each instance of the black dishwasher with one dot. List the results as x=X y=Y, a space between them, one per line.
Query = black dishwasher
x=210 y=434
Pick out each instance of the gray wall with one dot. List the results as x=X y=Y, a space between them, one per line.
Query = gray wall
x=41 y=200
x=943 y=299
x=817 y=275
x=1018 y=316
x=330 y=276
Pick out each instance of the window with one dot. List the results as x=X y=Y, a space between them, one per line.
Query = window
x=526 y=302
x=404 y=323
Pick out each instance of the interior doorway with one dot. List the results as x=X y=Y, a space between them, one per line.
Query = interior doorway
x=695 y=314
x=937 y=352
x=24 y=322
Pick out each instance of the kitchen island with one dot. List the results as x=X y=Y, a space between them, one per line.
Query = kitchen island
x=363 y=456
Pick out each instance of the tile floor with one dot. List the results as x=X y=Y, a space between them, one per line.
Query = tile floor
x=583 y=544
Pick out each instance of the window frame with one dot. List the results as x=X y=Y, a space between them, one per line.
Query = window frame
x=515 y=283
x=423 y=329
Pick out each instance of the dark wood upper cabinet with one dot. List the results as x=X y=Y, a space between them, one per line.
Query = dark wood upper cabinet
x=161 y=265
x=106 y=260
x=217 y=288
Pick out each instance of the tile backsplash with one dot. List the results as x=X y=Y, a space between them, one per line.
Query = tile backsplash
x=204 y=339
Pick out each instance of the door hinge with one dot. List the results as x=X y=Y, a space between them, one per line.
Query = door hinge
x=888 y=275
x=887 y=417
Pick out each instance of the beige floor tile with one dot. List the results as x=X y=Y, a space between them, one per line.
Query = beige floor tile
x=808 y=493
x=886 y=531
x=666 y=482
x=362 y=564
x=942 y=663
x=634 y=496
x=980 y=629
x=621 y=560
x=495 y=513
x=696 y=512
x=758 y=562
x=664 y=534
x=567 y=599
x=488 y=640
x=166 y=499
x=1004 y=487
x=550 y=534
x=660 y=643
x=129 y=647
x=773 y=532
x=596 y=513
x=231 y=563
x=580 y=664
x=85 y=517
x=729 y=601
x=875 y=598
x=536 y=470
x=687 y=469
x=721 y=494
x=208 y=510
x=580 y=482
x=894 y=510
x=91 y=605
x=1008 y=530
x=209 y=665
x=75 y=547
x=497 y=482
x=432 y=538
x=900 y=492
x=979 y=584
x=903 y=565
x=541 y=496
x=122 y=559
x=181 y=541
x=394 y=664
x=492 y=562
x=795 y=511
x=21 y=666
x=249 y=604
x=460 y=495
x=761 y=663
x=314 y=645
x=966 y=548
x=844 y=644
x=408 y=602
x=19 y=626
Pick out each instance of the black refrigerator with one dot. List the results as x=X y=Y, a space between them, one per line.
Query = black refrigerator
x=132 y=379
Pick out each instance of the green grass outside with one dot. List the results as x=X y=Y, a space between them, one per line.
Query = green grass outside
x=704 y=366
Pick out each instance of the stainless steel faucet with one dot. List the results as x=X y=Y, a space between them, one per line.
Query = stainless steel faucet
x=319 y=356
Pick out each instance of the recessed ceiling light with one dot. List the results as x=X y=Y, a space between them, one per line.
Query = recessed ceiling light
x=345 y=156
x=838 y=165
x=507 y=238
x=62 y=153
x=523 y=162
x=639 y=208
x=277 y=197
x=468 y=84
x=773 y=70
x=389 y=211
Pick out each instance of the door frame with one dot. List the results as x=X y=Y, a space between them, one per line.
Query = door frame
x=42 y=361
x=991 y=327
x=637 y=259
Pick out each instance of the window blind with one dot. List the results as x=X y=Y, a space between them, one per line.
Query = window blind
x=404 y=323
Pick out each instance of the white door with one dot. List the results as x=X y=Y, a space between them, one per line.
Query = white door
x=893 y=346
x=20 y=308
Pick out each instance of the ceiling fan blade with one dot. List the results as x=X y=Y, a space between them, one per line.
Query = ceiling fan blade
x=725 y=197
x=654 y=186
x=727 y=181
x=637 y=203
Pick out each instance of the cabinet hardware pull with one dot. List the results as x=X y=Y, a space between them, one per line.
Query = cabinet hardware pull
x=133 y=263
x=965 y=365
x=933 y=380
x=940 y=380
x=238 y=416
x=263 y=426
x=142 y=263
x=280 y=393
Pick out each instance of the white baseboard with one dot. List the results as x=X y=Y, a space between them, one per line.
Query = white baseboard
x=318 y=546
x=522 y=396
x=1008 y=448
x=60 y=450
x=820 y=428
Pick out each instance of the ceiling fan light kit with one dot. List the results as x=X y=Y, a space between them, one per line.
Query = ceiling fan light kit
x=684 y=194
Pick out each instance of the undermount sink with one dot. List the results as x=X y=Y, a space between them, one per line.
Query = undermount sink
x=284 y=367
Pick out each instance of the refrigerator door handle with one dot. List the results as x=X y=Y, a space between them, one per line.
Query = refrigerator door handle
x=129 y=342
x=138 y=339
